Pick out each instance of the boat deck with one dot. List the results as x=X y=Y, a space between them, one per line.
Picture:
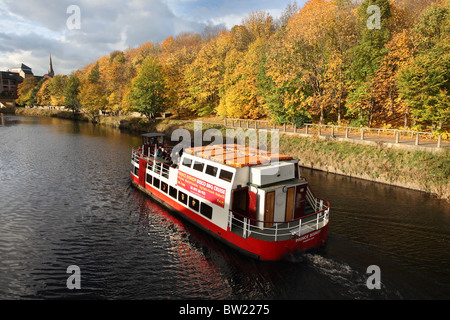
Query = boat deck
x=281 y=231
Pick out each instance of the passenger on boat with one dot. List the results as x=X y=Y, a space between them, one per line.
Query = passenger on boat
x=163 y=154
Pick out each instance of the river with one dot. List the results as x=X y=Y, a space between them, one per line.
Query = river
x=66 y=199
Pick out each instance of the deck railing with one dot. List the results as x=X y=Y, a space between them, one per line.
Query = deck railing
x=285 y=230
x=160 y=168
x=332 y=130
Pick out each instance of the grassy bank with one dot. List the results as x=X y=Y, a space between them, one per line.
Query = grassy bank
x=418 y=170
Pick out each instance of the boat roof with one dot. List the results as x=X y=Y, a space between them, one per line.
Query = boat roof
x=235 y=155
x=153 y=135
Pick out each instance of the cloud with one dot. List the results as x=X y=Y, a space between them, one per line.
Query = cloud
x=31 y=30
x=39 y=28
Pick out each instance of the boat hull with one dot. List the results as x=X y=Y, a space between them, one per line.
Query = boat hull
x=256 y=248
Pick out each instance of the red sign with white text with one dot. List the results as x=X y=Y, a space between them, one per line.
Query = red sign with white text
x=202 y=189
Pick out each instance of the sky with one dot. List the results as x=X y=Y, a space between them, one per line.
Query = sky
x=78 y=32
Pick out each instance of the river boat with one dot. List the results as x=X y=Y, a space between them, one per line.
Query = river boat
x=253 y=200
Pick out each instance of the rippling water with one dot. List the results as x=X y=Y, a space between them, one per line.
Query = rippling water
x=66 y=199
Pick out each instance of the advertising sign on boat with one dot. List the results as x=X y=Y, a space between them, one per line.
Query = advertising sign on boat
x=202 y=189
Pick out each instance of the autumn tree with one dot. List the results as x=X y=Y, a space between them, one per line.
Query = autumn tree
x=57 y=86
x=260 y=24
x=241 y=96
x=205 y=75
x=148 y=89
x=43 y=97
x=291 y=10
x=307 y=62
x=116 y=73
x=367 y=57
x=176 y=56
x=390 y=107
x=92 y=95
x=26 y=92
x=424 y=82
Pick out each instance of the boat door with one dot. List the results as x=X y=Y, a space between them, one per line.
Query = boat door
x=239 y=200
x=269 y=209
x=300 y=201
x=142 y=171
x=244 y=202
x=290 y=204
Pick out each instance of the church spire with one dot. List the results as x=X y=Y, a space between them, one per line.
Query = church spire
x=51 y=73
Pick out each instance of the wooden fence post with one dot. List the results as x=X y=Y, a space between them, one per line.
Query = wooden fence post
x=439 y=141
x=362 y=134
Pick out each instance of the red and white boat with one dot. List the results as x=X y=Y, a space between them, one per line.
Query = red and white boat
x=255 y=201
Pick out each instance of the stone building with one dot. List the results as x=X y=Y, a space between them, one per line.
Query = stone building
x=11 y=79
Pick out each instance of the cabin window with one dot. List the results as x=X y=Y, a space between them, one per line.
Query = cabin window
x=164 y=187
x=194 y=204
x=226 y=175
x=149 y=179
x=136 y=171
x=206 y=210
x=199 y=166
x=173 y=192
x=182 y=197
x=212 y=171
x=156 y=183
x=187 y=162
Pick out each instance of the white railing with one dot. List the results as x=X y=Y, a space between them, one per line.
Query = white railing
x=160 y=168
x=320 y=129
x=279 y=231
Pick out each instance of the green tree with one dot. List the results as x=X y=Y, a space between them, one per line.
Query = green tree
x=71 y=93
x=148 y=89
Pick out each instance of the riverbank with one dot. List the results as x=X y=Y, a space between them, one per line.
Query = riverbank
x=417 y=170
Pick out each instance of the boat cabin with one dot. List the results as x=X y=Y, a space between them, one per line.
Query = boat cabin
x=264 y=187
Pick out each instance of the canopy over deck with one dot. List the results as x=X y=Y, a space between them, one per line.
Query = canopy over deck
x=237 y=156
x=153 y=137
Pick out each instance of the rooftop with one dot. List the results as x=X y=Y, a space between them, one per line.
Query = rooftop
x=237 y=156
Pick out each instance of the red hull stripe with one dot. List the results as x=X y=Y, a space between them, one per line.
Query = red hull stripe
x=264 y=250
